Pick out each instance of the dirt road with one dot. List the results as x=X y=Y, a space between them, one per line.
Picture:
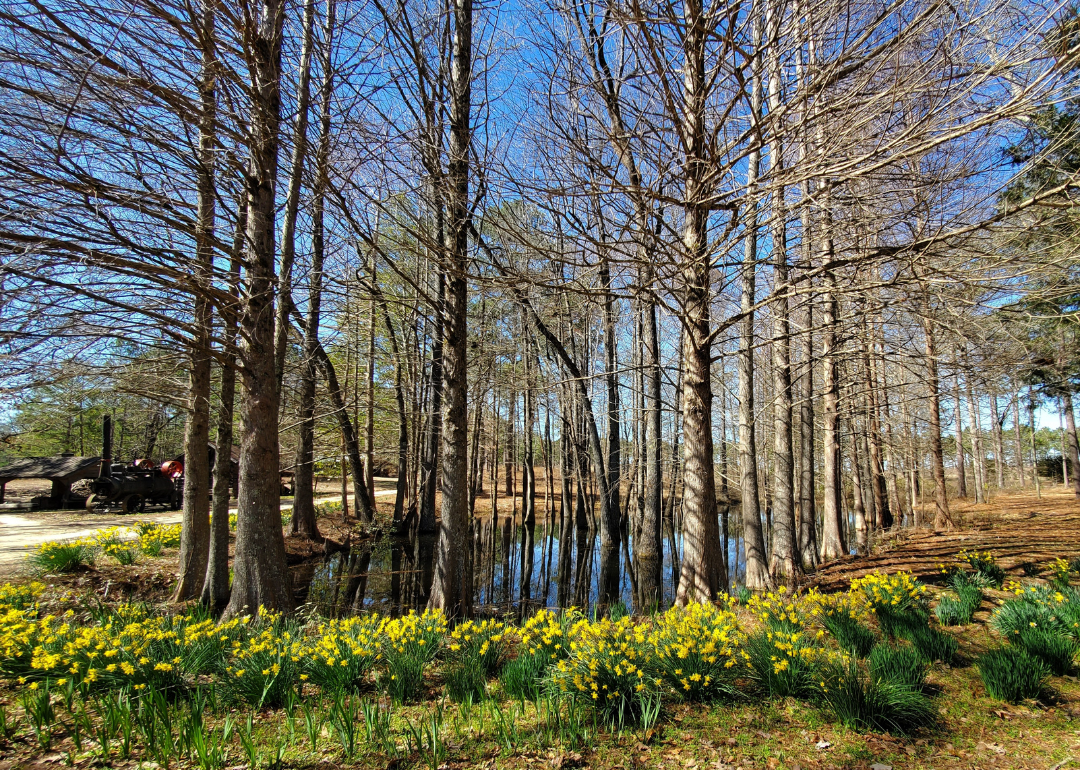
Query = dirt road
x=19 y=534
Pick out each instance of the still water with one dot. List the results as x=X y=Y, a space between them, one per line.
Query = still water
x=511 y=572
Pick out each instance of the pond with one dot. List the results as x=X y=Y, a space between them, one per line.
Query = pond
x=513 y=571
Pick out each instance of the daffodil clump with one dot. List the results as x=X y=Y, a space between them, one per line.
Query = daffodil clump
x=20 y=597
x=1039 y=607
x=895 y=593
x=409 y=644
x=57 y=556
x=984 y=564
x=119 y=543
x=265 y=666
x=788 y=663
x=1060 y=573
x=697 y=651
x=846 y=617
x=542 y=642
x=544 y=634
x=155 y=538
x=608 y=668
x=784 y=610
x=342 y=652
x=130 y=649
x=479 y=644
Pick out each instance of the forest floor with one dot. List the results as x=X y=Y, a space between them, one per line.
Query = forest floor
x=1015 y=525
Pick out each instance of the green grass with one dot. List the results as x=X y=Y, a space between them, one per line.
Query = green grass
x=852 y=636
x=784 y=665
x=57 y=557
x=863 y=701
x=1053 y=648
x=1012 y=674
x=952 y=611
x=900 y=664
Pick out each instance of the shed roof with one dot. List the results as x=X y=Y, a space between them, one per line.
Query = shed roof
x=61 y=468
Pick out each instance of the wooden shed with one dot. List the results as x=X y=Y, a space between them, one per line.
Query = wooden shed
x=61 y=470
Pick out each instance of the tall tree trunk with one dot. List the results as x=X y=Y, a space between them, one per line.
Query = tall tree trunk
x=999 y=445
x=1074 y=446
x=978 y=457
x=808 y=540
x=757 y=572
x=215 y=593
x=401 y=492
x=882 y=514
x=942 y=517
x=834 y=544
x=961 y=457
x=260 y=577
x=292 y=197
x=303 y=522
x=1018 y=439
x=195 y=530
x=429 y=475
x=783 y=563
x=451 y=590
x=609 y=562
x=858 y=505
x=703 y=571
x=1034 y=450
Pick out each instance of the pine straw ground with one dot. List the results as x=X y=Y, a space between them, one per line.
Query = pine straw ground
x=973 y=731
x=1016 y=526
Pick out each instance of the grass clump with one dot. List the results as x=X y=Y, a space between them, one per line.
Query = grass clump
x=953 y=611
x=697 y=651
x=1054 y=649
x=1012 y=674
x=900 y=664
x=864 y=701
x=464 y=682
x=60 y=557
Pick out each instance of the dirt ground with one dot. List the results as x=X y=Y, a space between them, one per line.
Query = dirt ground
x=1015 y=525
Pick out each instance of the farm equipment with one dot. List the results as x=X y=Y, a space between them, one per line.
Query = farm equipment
x=121 y=488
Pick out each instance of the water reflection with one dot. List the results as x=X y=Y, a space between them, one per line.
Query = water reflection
x=515 y=568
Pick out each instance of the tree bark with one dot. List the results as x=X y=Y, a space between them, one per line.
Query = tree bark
x=215 y=594
x=961 y=456
x=292 y=197
x=978 y=457
x=303 y=522
x=834 y=543
x=703 y=573
x=195 y=529
x=783 y=563
x=757 y=572
x=260 y=577
x=451 y=590
x=429 y=475
x=1074 y=445
x=942 y=518
x=1018 y=439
